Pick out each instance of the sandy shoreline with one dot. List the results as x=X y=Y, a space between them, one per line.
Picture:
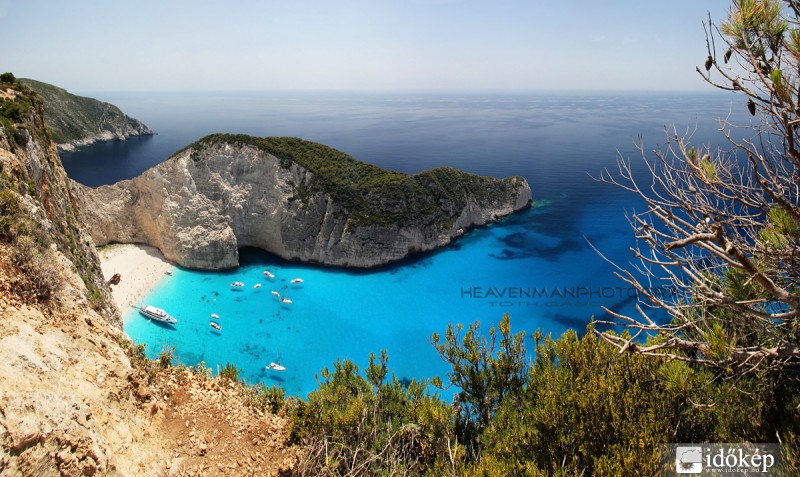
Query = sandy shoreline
x=141 y=268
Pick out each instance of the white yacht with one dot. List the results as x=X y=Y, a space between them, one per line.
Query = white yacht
x=157 y=314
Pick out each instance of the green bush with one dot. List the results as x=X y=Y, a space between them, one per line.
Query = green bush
x=368 y=425
x=585 y=409
x=202 y=370
x=229 y=372
x=165 y=357
x=10 y=214
x=16 y=110
x=137 y=353
x=271 y=399
x=581 y=409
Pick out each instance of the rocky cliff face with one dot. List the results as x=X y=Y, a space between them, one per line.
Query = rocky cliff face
x=76 y=121
x=65 y=405
x=296 y=199
x=71 y=402
x=33 y=178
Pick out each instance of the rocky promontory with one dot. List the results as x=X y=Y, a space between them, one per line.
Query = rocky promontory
x=76 y=121
x=297 y=199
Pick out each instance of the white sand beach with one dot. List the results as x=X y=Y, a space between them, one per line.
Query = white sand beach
x=141 y=268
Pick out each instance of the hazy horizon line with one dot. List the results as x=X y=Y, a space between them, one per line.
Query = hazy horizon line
x=405 y=91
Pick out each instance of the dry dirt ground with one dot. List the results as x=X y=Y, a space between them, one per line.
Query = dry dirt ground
x=213 y=432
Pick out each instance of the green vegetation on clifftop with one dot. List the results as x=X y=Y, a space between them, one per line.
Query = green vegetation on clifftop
x=372 y=195
x=71 y=118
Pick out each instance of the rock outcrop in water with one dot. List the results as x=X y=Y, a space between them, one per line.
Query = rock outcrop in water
x=76 y=121
x=297 y=199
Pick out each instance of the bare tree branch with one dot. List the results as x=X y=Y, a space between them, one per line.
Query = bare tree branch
x=721 y=228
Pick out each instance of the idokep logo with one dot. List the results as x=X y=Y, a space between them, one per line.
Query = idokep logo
x=713 y=459
x=688 y=460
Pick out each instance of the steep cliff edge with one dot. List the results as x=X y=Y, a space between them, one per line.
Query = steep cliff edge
x=76 y=121
x=76 y=398
x=66 y=402
x=297 y=199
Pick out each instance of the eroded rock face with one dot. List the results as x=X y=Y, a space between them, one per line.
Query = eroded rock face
x=224 y=193
x=66 y=403
x=75 y=121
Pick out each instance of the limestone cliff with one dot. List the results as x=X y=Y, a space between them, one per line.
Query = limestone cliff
x=72 y=400
x=33 y=180
x=297 y=199
x=76 y=121
x=65 y=404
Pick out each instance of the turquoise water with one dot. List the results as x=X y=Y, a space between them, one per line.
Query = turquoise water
x=338 y=313
x=541 y=257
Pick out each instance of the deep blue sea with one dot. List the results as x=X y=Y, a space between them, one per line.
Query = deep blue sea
x=537 y=265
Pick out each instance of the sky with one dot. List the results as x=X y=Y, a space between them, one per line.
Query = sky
x=357 y=45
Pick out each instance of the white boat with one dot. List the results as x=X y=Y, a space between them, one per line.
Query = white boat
x=157 y=314
x=237 y=285
x=215 y=326
x=286 y=300
x=295 y=281
x=214 y=316
x=268 y=274
x=276 y=367
x=257 y=286
x=276 y=293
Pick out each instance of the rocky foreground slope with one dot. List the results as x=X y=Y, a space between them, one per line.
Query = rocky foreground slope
x=76 y=121
x=297 y=199
x=76 y=398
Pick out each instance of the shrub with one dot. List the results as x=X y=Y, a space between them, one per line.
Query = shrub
x=202 y=370
x=586 y=409
x=16 y=110
x=10 y=211
x=165 y=357
x=271 y=399
x=137 y=354
x=368 y=425
x=42 y=278
x=229 y=372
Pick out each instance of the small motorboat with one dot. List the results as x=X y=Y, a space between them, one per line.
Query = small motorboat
x=214 y=316
x=295 y=281
x=276 y=367
x=286 y=300
x=257 y=286
x=215 y=326
x=168 y=272
x=268 y=274
x=237 y=285
x=157 y=314
x=276 y=293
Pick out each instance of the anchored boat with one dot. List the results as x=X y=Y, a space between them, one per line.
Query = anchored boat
x=157 y=314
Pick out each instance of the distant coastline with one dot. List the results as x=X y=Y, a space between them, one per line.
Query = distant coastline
x=77 y=121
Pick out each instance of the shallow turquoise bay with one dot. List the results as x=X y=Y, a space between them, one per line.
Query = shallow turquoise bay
x=558 y=142
x=339 y=313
